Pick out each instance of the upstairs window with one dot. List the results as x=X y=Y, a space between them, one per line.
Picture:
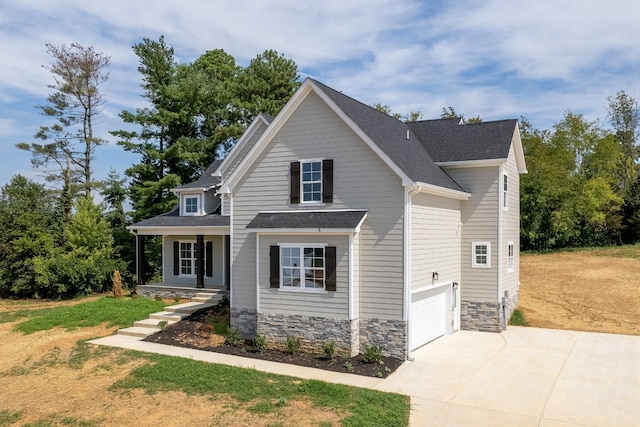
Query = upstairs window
x=481 y=255
x=505 y=192
x=311 y=181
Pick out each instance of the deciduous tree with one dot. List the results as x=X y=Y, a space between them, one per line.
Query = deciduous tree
x=70 y=142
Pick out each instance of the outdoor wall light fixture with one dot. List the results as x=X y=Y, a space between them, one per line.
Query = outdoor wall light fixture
x=434 y=276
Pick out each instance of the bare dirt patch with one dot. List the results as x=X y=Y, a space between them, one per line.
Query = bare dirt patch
x=39 y=381
x=581 y=291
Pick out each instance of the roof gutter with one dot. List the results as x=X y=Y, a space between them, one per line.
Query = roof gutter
x=423 y=187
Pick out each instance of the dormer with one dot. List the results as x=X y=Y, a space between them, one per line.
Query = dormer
x=199 y=197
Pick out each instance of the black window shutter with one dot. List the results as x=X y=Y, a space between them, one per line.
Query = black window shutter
x=330 y=267
x=176 y=258
x=209 y=258
x=295 y=182
x=274 y=267
x=327 y=181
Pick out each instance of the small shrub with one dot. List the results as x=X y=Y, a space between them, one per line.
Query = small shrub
x=293 y=344
x=373 y=354
x=163 y=325
x=177 y=298
x=158 y=298
x=260 y=343
x=348 y=366
x=117 y=284
x=518 y=319
x=329 y=349
x=233 y=337
x=379 y=374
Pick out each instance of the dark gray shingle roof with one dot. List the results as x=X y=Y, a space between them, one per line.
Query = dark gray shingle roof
x=430 y=141
x=173 y=219
x=448 y=141
x=391 y=136
x=205 y=180
x=307 y=219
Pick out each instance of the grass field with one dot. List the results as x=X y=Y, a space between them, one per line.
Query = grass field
x=49 y=376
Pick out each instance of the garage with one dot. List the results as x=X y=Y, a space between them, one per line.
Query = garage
x=430 y=314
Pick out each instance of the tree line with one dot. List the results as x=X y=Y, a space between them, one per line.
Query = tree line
x=582 y=189
x=59 y=242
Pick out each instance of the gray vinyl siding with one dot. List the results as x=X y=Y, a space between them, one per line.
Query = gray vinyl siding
x=218 y=256
x=436 y=239
x=361 y=181
x=225 y=204
x=325 y=304
x=511 y=226
x=479 y=224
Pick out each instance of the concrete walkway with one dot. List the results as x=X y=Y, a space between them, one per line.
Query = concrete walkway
x=522 y=377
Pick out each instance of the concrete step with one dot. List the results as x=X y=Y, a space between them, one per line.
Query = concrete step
x=136 y=331
x=213 y=298
x=188 y=307
x=168 y=316
x=152 y=323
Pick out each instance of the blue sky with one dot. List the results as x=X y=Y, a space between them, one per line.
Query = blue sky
x=493 y=58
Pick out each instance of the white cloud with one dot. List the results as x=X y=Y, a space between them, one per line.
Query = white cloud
x=495 y=58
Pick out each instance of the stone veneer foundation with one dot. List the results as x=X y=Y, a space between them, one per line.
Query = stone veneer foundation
x=391 y=334
x=312 y=330
x=245 y=320
x=485 y=316
x=350 y=336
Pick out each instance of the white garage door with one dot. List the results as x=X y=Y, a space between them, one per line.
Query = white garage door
x=429 y=315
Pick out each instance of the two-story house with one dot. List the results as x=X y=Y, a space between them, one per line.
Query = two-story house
x=335 y=222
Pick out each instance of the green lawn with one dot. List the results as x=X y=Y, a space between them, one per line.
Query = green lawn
x=120 y=312
x=263 y=392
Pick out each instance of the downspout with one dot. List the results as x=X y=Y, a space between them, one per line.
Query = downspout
x=257 y=273
x=499 y=251
x=350 y=292
x=407 y=265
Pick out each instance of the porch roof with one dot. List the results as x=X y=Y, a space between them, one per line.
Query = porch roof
x=171 y=223
x=308 y=221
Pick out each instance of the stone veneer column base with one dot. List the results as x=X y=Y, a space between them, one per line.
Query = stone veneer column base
x=245 y=320
x=391 y=334
x=480 y=316
x=485 y=316
x=314 y=331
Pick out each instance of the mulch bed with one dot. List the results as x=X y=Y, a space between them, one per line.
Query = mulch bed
x=196 y=332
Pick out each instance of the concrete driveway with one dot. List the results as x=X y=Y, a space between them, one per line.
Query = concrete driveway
x=523 y=377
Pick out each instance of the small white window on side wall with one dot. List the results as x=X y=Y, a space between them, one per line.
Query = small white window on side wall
x=510 y=252
x=481 y=254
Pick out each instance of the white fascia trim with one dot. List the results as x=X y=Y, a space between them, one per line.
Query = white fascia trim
x=314 y=211
x=517 y=146
x=471 y=163
x=174 y=231
x=422 y=187
x=246 y=135
x=190 y=190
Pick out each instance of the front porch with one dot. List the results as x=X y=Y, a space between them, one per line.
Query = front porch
x=180 y=290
